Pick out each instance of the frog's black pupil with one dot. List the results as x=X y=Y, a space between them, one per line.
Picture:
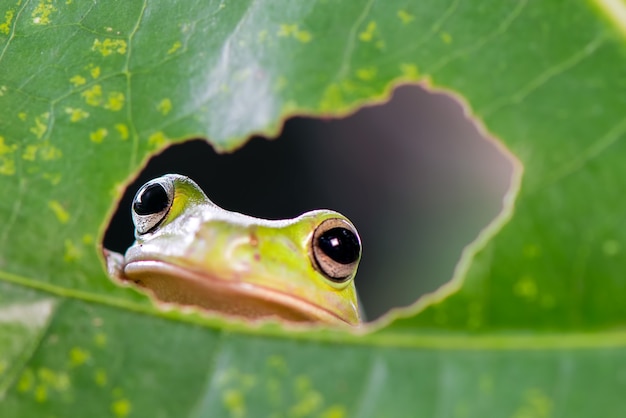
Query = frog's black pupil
x=152 y=199
x=340 y=244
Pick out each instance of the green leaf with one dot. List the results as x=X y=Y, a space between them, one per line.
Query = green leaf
x=531 y=324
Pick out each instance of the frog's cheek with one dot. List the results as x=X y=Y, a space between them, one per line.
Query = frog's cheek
x=174 y=284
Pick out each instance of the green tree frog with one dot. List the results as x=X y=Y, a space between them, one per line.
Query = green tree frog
x=190 y=251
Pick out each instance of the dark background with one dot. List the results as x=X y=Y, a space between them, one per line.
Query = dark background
x=414 y=175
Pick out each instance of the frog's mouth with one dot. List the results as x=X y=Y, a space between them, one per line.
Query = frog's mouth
x=176 y=284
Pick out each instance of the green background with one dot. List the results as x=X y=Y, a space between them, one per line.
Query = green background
x=531 y=326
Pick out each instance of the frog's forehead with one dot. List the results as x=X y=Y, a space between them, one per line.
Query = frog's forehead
x=189 y=197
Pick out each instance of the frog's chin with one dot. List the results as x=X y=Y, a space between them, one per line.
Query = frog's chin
x=175 y=284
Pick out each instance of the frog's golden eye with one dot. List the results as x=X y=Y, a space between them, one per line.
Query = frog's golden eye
x=336 y=249
x=151 y=204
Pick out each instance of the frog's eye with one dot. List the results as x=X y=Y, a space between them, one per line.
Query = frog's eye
x=151 y=204
x=336 y=249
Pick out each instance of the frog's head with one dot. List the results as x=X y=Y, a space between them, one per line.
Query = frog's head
x=190 y=251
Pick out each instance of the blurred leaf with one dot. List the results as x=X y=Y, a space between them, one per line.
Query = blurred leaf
x=89 y=89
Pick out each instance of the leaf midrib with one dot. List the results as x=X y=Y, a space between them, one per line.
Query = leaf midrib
x=373 y=335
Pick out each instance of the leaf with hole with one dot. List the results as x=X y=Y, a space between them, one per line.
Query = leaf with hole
x=532 y=322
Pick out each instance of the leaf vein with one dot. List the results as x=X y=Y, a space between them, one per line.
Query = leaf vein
x=12 y=34
x=480 y=43
x=20 y=364
x=612 y=136
x=344 y=67
x=412 y=47
x=135 y=137
x=540 y=80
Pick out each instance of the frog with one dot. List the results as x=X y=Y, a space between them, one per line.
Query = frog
x=191 y=252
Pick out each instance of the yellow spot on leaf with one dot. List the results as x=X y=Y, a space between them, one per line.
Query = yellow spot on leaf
x=87 y=239
x=30 y=152
x=108 y=46
x=277 y=363
x=50 y=152
x=536 y=405
x=409 y=71
x=261 y=36
x=59 y=211
x=100 y=377
x=366 y=74
x=41 y=393
x=234 y=402
x=287 y=30
x=303 y=383
x=41 y=13
x=405 y=16
x=294 y=31
x=95 y=72
x=526 y=288
x=41 y=125
x=611 y=248
x=100 y=339
x=72 y=252
x=115 y=101
x=332 y=98
x=368 y=34
x=3 y=90
x=157 y=139
x=6 y=149
x=164 y=106
x=121 y=407
x=309 y=400
x=531 y=251
x=247 y=381
x=53 y=178
x=98 y=135
x=7 y=166
x=78 y=80
x=122 y=130
x=5 y=27
x=446 y=37
x=93 y=95
x=175 y=47
x=78 y=356
x=59 y=381
x=334 y=411
x=26 y=382
x=76 y=114
x=303 y=36
x=22 y=116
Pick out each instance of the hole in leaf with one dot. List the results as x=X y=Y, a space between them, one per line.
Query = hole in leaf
x=414 y=175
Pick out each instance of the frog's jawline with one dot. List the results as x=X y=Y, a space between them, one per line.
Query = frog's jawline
x=226 y=296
